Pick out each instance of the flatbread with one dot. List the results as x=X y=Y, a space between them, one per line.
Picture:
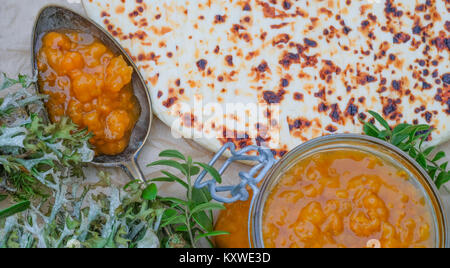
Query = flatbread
x=320 y=65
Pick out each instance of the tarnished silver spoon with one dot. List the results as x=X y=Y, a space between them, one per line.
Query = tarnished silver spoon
x=54 y=18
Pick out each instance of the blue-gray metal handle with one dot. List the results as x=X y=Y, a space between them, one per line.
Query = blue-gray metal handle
x=265 y=160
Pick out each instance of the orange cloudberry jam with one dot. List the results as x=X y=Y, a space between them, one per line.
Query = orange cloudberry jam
x=337 y=198
x=91 y=85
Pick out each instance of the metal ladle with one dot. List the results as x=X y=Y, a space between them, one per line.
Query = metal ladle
x=55 y=18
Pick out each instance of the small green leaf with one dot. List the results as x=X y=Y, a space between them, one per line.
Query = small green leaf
x=384 y=134
x=202 y=195
x=150 y=192
x=210 y=234
x=400 y=127
x=371 y=130
x=422 y=160
x=172 y=154
x=211 y=170
x=428 y=151
x=423 y=138
x=438 y=156
x=405 y=146
x=412 y=152
x=168 y=213
x=380 y=120
x=399 y=138
x=432 y=171
x=207 y=206
x=169 y=163
x=194 y=170
x=204 y=221
x=177 y=219
x=442 y=178
x=175 y=178
x=401 y=133
x=17 y=208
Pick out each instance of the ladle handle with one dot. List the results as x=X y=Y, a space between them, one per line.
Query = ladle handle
x=133 y=170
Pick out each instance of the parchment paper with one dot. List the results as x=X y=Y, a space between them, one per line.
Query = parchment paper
x=16 y=24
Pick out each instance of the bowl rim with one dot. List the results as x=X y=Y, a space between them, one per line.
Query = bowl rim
x=256 y=209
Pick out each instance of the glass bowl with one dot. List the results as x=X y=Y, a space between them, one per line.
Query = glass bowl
x=417 y=176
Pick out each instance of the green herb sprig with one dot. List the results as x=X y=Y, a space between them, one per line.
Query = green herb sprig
x=41 y=167
x=191 y=219
x=82 y=216
x=33 y=152
x=410 y=139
